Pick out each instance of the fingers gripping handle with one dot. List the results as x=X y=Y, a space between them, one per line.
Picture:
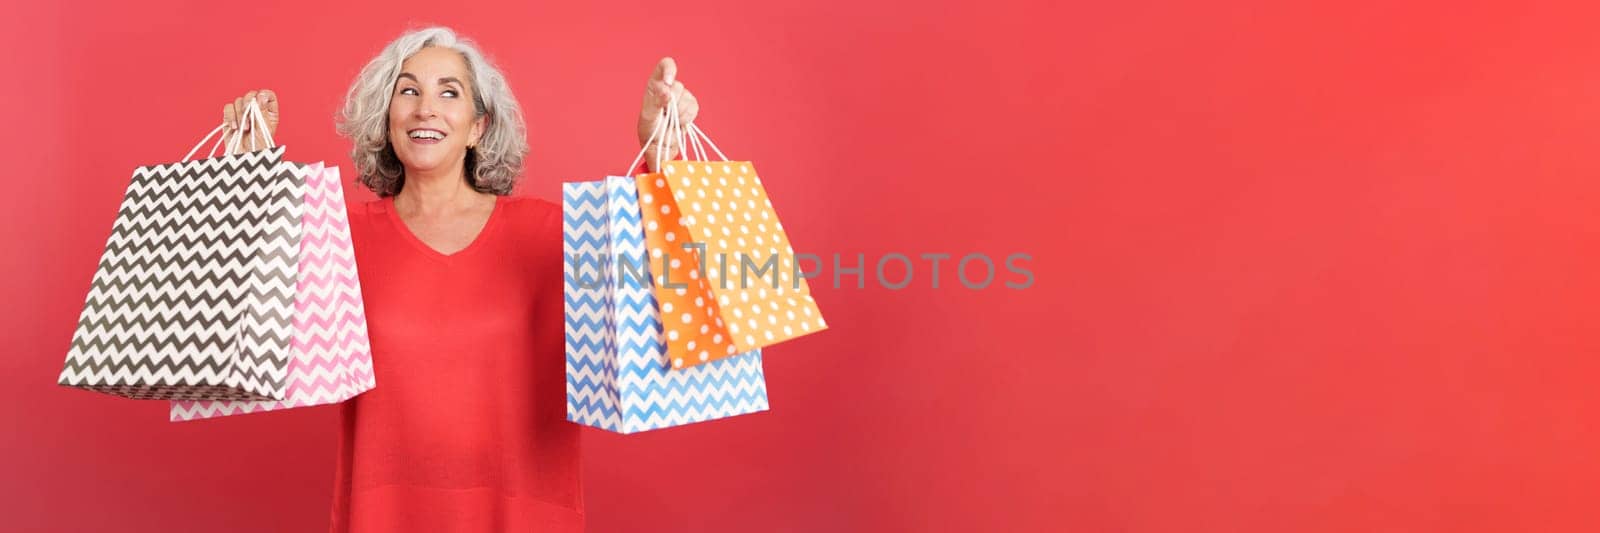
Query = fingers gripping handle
x=667 y=127
x=258 y=123
x=654 y=132
x=251 y=113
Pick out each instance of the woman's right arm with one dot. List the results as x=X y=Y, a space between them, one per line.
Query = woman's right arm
x=268 y=101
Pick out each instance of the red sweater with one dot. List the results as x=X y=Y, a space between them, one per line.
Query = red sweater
x=466 y=430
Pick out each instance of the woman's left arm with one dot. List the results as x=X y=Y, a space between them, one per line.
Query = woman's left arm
x=664 y=85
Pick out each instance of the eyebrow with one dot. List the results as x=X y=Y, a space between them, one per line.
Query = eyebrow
x=444 y=80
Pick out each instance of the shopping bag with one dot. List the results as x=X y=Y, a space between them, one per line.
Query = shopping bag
x=617 y=376
x=194 y=294
x=715 y=244
x=331 y=357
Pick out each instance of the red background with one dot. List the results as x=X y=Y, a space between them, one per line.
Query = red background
x=1297 y=268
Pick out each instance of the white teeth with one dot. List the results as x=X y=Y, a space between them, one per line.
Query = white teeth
x=426 y=134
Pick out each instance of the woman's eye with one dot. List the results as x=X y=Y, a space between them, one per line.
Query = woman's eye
x=451 y=92
x=408 y=90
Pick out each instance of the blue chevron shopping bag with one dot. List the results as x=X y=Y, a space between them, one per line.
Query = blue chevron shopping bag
x=618 y=378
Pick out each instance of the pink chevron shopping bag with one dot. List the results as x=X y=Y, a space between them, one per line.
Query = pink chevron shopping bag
x=331 y=359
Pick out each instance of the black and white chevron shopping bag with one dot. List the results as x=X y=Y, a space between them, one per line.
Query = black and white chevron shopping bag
x=194 y=296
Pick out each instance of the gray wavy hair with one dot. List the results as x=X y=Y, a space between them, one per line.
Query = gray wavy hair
x=492 y=166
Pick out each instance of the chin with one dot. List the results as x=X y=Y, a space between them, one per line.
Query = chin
x=412 y=161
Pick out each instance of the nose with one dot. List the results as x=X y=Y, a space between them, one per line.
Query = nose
x=425 y=109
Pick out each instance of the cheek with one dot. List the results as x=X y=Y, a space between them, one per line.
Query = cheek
x=462 y=116
x=463 y=122
x=398 y=111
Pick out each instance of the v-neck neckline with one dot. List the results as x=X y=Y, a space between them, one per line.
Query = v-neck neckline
x=477 y=241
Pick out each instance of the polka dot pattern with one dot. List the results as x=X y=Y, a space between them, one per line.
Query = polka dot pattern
x=723 y=206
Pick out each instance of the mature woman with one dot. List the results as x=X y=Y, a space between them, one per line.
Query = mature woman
x=466 y=429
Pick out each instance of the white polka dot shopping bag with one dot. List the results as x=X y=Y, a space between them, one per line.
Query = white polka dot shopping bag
x=724 y=270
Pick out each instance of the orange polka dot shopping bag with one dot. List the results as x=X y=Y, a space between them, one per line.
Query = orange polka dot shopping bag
x=724 y=270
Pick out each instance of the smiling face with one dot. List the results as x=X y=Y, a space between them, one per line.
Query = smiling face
x=432 y=120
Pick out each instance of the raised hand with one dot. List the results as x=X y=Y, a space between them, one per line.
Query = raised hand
x=268 y=101
x=662 y=86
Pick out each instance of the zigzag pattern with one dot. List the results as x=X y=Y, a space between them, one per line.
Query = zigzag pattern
x=618 y=378
x=332 y=353
x=195 y=290
x=586 y=304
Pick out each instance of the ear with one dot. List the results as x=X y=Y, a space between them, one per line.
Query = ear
x=479 y=125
